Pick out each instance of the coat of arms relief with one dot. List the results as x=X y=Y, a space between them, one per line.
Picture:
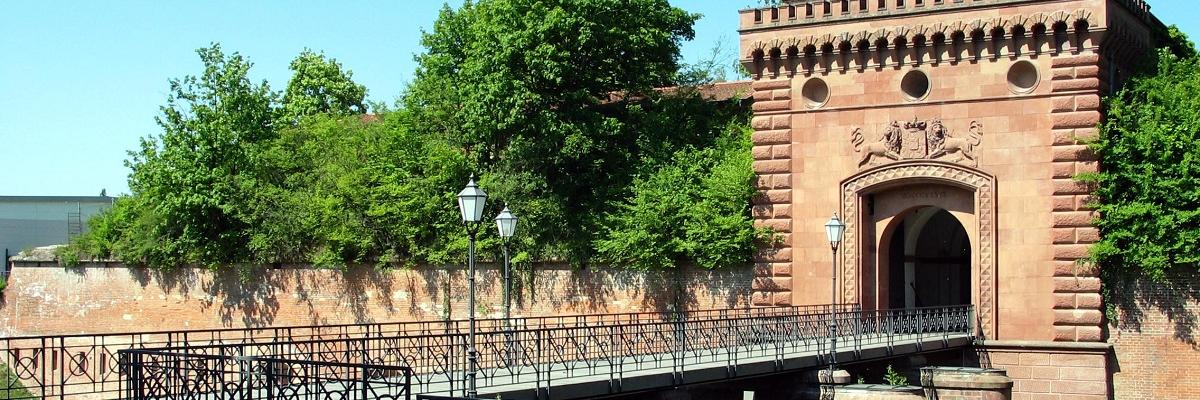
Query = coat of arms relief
x=915 y=140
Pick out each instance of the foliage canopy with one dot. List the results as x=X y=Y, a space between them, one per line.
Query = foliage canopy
x=1148 y=189
x=555 y=104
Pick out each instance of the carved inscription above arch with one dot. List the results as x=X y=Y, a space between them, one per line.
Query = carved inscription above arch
x=915 y=172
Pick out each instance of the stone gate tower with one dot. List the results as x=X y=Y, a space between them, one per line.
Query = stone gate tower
x=945 y=133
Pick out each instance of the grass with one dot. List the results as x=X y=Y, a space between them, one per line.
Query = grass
x=10 y=387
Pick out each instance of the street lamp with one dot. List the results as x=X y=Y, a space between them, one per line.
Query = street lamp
x=834 y=229
x=471 y=201
x=506 y=225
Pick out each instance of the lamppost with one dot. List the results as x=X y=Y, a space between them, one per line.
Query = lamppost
x=506 y=224
x=470 y=203
x=834 y=228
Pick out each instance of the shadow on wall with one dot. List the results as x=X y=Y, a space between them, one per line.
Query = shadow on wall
x=1177 y=297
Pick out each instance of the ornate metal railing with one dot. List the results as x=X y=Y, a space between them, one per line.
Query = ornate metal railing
x=539 y=357
x=86 y=365
x=154 y=374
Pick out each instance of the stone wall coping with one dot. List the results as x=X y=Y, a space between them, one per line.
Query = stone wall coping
x=1082 y=347
x=882 y=388
x=965 y=378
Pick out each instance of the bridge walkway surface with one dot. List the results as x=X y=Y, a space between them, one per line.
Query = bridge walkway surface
x=549 y=359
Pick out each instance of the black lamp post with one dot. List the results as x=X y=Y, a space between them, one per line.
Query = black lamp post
x=506 y=225
x=471 y=201
x=834 y=228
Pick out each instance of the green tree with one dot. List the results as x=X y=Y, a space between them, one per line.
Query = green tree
x=1148 y=189
x=195 y=183
x=526 y=89
x=319 y=85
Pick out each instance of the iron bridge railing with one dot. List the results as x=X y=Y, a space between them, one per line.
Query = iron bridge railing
x=86 y=365
x=521 y=357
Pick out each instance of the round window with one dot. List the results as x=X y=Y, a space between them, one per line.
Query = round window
x=815 y=93
x=915 y=85
x=1022 y=77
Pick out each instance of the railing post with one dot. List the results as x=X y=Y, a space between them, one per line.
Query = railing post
x=363 y=382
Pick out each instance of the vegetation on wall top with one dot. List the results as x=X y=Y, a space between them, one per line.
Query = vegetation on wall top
x=553 y=104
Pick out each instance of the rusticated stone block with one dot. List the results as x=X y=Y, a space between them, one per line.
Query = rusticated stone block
x=1078 y=317
x=762 y=299
x=779 y=196
x=783 y=298
x=1089 y=300
x=1070 y=251
x=781 y=122
x=1064 y=203
x=781 y=151
x=1076 y=84
x=1072 y=152
x=1077 y=119
x=764 y=153
x=1064 y=301
x=761 y=123
x=771 y=137
x=781 y=269
x=1087 y=235
x=783 y=211
x=774 y=105
x=1087 y=102
x=1075 y=60
x=772 y=284
x=1057 y=235
x=782 y=181
x=1089 y=334
x=773 y=255
x=1064 y=333
x=1062 y=73
x=771 y=84
x=1077 y=285
x=1063 y=104
x=772 y=166
x=781 y=94
x=762 y=269
x=763 y=211
x=1067 y=186
x=1075 y=269
x=1073 y=219
x=778 y=225
x=1087 y=71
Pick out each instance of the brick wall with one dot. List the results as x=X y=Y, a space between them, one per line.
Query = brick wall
x=1156 y=354
x=47 y=299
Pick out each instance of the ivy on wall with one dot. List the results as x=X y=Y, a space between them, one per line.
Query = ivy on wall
x=1148 y=187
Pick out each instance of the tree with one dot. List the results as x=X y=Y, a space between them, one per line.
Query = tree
x=195 y=183
x=524 y=88
x=319 y=85
x=1148 y=189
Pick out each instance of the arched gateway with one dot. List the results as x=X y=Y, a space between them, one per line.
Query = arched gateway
x=900 y=200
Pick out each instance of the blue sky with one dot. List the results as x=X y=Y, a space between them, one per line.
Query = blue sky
x=81 y=81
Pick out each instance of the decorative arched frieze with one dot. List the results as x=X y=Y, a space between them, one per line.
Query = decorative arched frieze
x=883 y=42
x=890 y=175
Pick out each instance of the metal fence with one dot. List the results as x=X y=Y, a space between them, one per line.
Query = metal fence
x=156 y=374
x=86 y=365
x=539 y=356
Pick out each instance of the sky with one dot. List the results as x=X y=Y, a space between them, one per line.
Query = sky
x=81 y=81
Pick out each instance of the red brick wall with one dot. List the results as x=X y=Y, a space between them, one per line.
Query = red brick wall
x=49 y=299
x=1157 y=356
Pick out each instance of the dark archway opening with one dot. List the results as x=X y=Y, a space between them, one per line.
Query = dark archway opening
x=929 y=261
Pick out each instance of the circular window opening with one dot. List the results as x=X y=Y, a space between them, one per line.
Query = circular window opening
x=815 y=93
x=915 y=85
x=1022 y=77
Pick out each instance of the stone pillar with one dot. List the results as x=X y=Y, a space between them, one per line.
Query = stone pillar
x=955 y=383
x=773 y=206
x=1077 y=301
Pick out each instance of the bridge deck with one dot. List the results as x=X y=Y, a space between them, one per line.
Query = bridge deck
x=584 y=379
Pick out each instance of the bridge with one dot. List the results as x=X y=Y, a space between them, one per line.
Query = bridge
x=563 y=357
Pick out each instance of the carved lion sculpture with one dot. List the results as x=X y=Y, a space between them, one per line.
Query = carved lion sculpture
x=887 y=147
x=963 y=147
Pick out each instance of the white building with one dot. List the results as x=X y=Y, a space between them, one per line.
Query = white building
x=34 y=221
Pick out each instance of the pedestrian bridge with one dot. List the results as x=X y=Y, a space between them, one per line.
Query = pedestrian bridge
x=544 y=358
